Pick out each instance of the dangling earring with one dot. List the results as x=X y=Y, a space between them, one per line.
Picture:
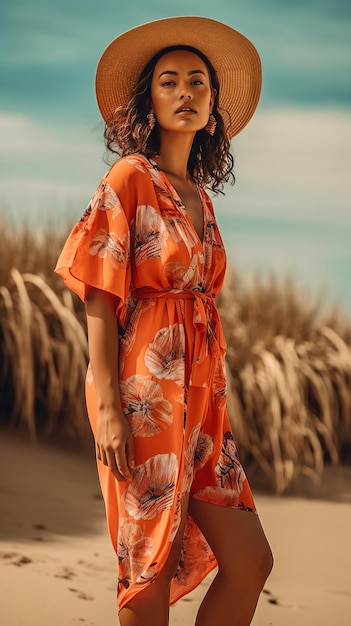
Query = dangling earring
x=211 y=125
x=151 y=117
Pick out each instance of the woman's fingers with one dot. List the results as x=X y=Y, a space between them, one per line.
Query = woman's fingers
x=101 y=455
x=114 y=461
x=123 y=458
x=117 y=461
x=116 y=469
x=130 y=453
x=116 y=450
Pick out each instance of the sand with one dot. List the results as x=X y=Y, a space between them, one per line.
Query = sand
x=57 y=566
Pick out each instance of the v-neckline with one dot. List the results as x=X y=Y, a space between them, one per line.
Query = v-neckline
x=180 y=204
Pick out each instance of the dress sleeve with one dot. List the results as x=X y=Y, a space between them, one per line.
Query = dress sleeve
x=97 y=251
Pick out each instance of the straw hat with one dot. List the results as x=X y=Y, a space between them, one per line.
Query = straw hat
x=234 y=58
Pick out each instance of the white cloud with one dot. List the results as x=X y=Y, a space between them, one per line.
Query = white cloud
x=25 y=136
x=294 y=163
x=45 y=168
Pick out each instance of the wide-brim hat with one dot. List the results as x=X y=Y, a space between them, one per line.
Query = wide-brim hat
x=233 y=56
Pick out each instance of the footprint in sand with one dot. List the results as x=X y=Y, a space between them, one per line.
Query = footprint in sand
x=80 y=594
x=23 y=560
x=271 y=599
x=66 y=573
x=15 y=559
x=8 y=555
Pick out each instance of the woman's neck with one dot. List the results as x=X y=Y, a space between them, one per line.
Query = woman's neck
x=174 y=154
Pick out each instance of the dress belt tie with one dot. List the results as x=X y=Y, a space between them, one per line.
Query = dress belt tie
x=209 y=337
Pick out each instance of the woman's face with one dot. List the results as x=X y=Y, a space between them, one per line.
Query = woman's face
x=181 y=93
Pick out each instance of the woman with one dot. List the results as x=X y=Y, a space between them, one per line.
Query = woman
x=148 y=260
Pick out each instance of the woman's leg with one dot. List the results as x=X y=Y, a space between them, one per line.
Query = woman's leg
x=244 y=563
x=150 y=607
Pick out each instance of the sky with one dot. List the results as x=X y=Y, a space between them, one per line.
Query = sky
x=290 y=210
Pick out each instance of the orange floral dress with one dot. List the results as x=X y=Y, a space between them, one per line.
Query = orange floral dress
x=136 y=241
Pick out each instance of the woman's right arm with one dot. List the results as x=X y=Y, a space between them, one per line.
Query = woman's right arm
x=113 y=437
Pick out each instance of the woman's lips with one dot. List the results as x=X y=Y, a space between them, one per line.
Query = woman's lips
x=185 y=111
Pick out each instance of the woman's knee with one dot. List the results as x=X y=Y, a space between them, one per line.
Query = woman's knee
x=260 y=561
x=248 y=579
x=265 y=562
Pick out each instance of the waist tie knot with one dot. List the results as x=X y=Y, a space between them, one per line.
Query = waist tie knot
x=209 y=337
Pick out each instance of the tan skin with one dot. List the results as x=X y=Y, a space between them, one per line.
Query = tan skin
x=180 y=81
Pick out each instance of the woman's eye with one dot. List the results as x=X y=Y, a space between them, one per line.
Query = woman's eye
x=198 y=82
x=167 y=83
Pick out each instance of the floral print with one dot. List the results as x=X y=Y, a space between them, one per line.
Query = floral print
x=229 y=470
x=150 y=234
x=144 y=405
x=128 y=332
x=136 y=241
x=184 y=277
x=195 y=553
x=109 y=245
x=220 y=384
x=133 y=548
x=217 y=495
x=177 y=228
x=165 y=355
x=151 y=489
x=189 y=458
x=104 y=199
x=204 y=447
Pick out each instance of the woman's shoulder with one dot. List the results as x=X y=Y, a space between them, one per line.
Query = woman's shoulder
x=126 y=169
x=129 y=178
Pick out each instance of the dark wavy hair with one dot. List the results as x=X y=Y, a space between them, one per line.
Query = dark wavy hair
x=210 y=161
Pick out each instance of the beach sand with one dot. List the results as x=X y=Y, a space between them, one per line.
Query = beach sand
x=57 y=567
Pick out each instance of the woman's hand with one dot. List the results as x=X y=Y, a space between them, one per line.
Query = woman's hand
x=114 y=445
x=113 y=436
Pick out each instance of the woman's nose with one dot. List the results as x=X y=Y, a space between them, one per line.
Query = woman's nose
x=185 y=92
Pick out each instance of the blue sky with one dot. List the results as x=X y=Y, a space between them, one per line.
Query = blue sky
x=290 y=209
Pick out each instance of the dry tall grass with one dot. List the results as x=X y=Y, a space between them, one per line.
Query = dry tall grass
x=289 y=367
x=43 y=345
x=289 y=374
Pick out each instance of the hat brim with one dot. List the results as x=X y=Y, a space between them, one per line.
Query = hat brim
x=233 y=56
